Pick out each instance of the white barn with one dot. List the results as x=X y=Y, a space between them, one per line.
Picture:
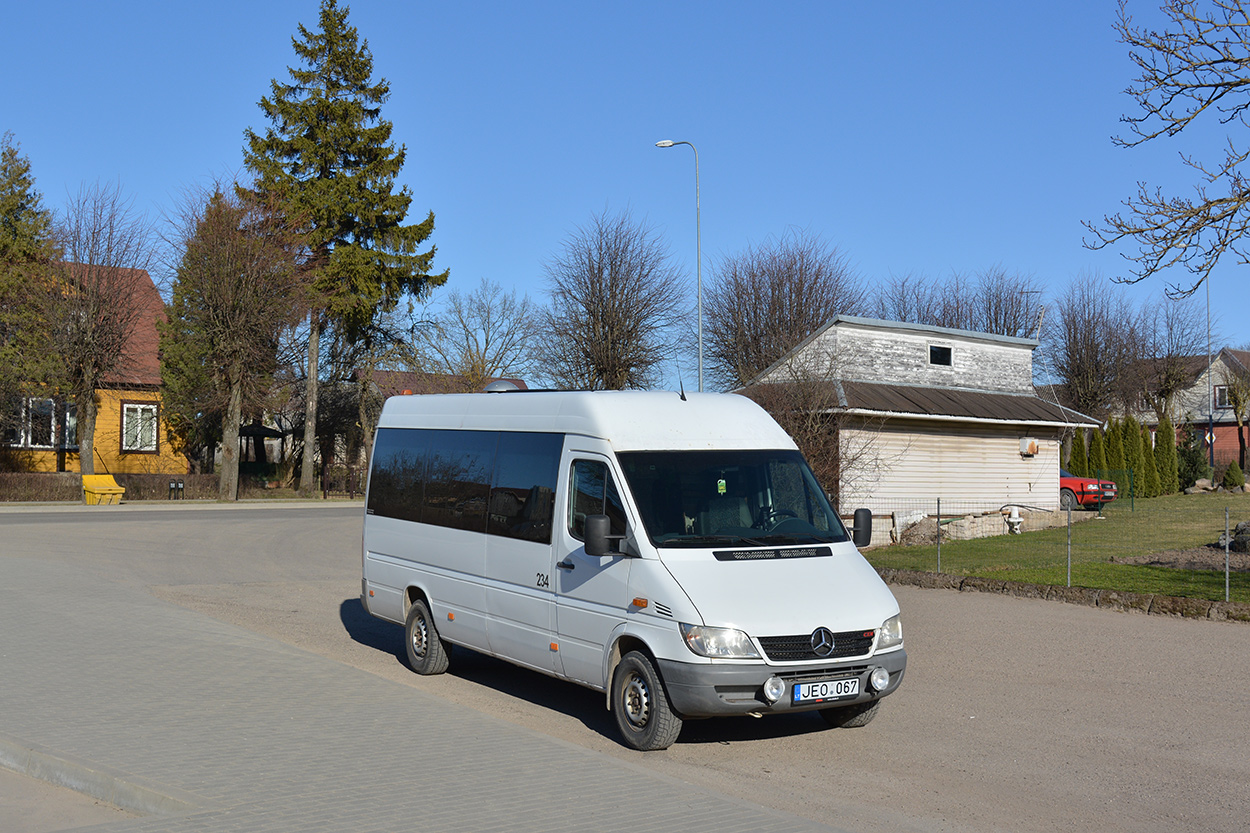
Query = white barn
x=929 y=412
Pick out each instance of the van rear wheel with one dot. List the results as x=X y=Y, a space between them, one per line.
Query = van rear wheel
x=427 y=653
x=640 y=706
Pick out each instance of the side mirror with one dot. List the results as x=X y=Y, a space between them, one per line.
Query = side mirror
x=861 y=532
x=599 y=540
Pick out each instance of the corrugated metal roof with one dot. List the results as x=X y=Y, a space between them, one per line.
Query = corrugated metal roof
x=950 y=403
x=954 y=403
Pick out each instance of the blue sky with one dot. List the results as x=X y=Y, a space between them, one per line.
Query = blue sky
x=919 y=138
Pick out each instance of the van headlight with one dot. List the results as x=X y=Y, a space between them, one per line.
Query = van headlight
x=891 y=633
x=718 y=643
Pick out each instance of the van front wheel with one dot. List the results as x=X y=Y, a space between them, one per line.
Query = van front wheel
x=427 y=654
x=851 y=717
x=640 y=706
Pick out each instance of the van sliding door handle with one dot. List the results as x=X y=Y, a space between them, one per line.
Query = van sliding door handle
x=565 y=564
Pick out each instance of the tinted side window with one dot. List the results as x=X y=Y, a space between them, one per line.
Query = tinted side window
x=457 y=478
x=593 y=492
x=523 y=494
x=396 y=484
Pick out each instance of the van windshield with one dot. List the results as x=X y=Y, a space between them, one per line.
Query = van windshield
x=729 y=498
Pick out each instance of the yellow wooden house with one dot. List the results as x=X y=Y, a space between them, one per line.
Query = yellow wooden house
x=130 y=430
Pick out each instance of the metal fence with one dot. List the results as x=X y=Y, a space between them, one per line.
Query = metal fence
x=1053 y=547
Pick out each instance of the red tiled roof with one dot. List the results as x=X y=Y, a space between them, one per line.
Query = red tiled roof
x=141 y=364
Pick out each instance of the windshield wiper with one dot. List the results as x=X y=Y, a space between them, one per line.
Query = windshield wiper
x=718 y=539
x=797 y=538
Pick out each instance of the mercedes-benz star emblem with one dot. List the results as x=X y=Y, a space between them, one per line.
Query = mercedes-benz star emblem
x=822 y=642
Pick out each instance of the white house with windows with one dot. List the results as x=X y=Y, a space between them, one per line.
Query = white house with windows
x=1207 y=401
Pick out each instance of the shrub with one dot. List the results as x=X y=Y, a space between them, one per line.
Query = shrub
x=1154 y=487
x=31 y=486
x=1233 y=476
x=156 y=486
x=1165 y=457
x=1078 y=463
x=1191 y=457
x=1097 y=457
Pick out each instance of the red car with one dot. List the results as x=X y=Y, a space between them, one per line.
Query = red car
x=1076 y=492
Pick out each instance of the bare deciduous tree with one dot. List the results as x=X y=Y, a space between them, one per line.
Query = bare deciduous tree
x=1171 y=332
x=236 y=288
x=1091 y=342
x=802 y=395
x=481 y=336
x=991 y=301
x=1199 y=65
x=763 y=302
x=96 y=300
x=616 y=300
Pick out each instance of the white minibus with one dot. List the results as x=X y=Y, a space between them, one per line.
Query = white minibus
x=671 y=550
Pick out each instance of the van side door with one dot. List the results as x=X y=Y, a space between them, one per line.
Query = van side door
x=592 y=592
x=519 y=548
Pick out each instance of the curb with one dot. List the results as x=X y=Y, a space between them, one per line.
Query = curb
x=116 y=788
x=1149 y=603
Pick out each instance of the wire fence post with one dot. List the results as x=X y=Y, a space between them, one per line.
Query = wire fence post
x=1069 y=545
x=1226 y=543
x=939 y=533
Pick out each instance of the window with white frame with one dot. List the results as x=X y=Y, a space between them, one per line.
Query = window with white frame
x=40 y=426
x=1221 y=396
x=71 y=426
x=139 y=426
x=41 y=423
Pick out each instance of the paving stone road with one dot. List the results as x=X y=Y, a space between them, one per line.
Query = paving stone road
x=204 y=726
x=210 y=667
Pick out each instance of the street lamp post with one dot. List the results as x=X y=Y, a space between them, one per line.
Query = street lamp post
x=698 y=246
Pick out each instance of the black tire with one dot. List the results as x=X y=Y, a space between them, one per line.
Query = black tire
x=640 y=706
x=851 y=717
x=1067 y=500
x=427 y=653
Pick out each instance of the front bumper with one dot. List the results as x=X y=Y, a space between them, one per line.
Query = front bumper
x=717 y=690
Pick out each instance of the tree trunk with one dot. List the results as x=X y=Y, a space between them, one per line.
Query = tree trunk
x=307 y=474
x=86 y=433
x=228 y=479
x=1241 y=446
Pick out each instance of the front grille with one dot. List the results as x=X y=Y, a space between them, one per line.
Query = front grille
x=799 y=648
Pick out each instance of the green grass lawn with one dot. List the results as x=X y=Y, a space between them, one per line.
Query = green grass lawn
x=1148 y=526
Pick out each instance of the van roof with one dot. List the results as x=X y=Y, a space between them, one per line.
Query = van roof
x=629 y=420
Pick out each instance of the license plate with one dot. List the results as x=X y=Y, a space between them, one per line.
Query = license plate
x=822 y=690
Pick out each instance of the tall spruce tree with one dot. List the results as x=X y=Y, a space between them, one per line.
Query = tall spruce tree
x=1078 y=463
x=328 y=160
x=27 y=249
x=1097 y=455
x=1165 y=457
x=1153 y=487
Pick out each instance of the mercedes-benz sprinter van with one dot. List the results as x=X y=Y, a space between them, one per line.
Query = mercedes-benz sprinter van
x=673 y=551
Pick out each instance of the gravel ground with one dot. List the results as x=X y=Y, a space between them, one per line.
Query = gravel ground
x=1015 y=715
